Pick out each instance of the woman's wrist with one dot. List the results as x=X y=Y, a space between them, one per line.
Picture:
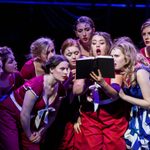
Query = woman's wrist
x=102 y=82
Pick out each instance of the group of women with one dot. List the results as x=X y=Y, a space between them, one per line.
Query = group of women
x=45 y=99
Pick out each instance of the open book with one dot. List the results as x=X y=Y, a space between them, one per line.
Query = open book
x=85 y=65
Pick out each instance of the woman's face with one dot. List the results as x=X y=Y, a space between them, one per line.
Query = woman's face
x=84 y=32
x=61 y=71
x=1 y=65
x=98 y=45
x=72 y=53
x=11 y=64
x=119 y=59
x=48 y=52
x=146 y=36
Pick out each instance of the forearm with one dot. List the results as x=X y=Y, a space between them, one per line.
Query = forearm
x=25 y=122
x=78 y=86
x=136 y=101
x=108 y=89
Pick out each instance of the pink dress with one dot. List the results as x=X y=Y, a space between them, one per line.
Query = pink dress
x=12 y=135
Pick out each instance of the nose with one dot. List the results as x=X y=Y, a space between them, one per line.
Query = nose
x=50 y=55
x=146 y=36
x=15 y=63
x=84 y=33
x=66 y=71
x=97 y=44
x=73 y=56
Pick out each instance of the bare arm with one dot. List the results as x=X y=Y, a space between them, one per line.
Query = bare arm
x=28 y=103
x=144 y=83
x=110 y=91
x=78 y=86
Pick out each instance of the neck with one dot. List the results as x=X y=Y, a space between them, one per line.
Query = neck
x=147 y=51
x=50 y=80
x=85 y=46
x=4 y=75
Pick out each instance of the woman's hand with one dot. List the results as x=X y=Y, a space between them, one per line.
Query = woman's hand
x=35 y=137
x=77 y=125
x=73 y=74
x=98 y=78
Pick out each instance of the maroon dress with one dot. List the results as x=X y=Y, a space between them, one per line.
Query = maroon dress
x=15 y=80
x=12 y=136
x=142 y=51
x=28 y=70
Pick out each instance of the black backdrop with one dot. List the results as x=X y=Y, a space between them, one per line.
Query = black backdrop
x=22 y=23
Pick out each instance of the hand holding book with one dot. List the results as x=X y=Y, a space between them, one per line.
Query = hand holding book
x=98 y=78
x=86 y=65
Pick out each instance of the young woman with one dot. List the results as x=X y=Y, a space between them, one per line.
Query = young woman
x=31 y=109
x=10 y=78
x=66 y=115
x=40 y=50
x=136 y=87
x=84 y=29
x=93 y=128
x=145 y=32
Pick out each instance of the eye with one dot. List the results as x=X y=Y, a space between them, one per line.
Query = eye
x=76 y=53
x=93 y=43
x=143 y=34
x=80 y=30
x=87 y=29
x=52 y=50
x=69 y=54
x=102 y=43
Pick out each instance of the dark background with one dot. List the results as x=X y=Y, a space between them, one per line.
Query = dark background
x=21 y=22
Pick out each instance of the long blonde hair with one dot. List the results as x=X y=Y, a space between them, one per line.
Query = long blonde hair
x=130 y=53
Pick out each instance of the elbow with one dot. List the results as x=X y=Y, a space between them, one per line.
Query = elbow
x=115 y=96
x=78 y=89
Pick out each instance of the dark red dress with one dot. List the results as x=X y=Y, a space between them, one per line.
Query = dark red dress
x=12 y=136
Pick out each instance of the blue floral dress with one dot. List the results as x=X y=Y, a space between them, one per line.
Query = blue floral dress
x=137 y=136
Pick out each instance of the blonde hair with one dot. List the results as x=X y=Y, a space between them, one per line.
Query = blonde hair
x=130 y=53
x=39 y=45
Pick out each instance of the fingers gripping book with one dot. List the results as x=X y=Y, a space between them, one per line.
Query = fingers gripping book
x=85 y=65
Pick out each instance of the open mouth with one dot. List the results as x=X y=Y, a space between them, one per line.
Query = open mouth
x=98 y=52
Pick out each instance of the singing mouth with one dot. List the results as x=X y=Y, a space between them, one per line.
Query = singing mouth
x=98 y=51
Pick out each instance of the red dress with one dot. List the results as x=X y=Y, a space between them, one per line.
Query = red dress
x=15 y=80
x=28 y=70
x=100 y=130
x=142 y=51
x=12 y=135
